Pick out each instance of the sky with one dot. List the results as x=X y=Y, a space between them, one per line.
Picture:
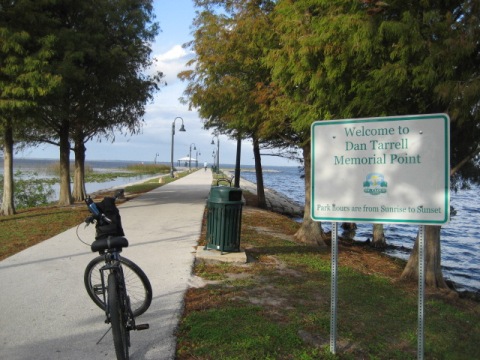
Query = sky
x=154 y=141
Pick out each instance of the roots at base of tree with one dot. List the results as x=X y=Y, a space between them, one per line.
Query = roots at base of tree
x=311 y=233
x=430 y=281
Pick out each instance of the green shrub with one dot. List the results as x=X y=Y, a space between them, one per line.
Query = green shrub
x=30 y=191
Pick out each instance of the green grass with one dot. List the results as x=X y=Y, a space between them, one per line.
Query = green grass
x=31 y=226
x=248 y=335
x=278 y=307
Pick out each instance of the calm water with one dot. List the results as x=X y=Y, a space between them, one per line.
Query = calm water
x=460 y=238
x=40 y=166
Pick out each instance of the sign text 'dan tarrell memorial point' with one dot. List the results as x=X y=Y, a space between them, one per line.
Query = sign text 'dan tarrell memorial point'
x=382 y=170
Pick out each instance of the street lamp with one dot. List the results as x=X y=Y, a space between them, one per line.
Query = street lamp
x=196 y=159
x=182 y=128
x=190 y=156
x=218 y=151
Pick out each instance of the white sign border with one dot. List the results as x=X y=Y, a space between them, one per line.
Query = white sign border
x=446 y=124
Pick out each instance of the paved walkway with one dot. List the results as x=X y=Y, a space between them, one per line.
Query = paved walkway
x=45 y=311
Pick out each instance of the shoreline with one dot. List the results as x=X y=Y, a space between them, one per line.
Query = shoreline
x=281 y=204
x=276 y=201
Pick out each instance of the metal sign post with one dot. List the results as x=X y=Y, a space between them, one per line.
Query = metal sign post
x=333 y=294
x=421 y=291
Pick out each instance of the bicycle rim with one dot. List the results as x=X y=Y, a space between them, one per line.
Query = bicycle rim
x=136 y=282
x=117 y=316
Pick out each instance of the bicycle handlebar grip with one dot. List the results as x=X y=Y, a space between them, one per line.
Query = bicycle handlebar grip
x=92 y=207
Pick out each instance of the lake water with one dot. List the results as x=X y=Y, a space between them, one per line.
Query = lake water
x=460 y=238
x=40 y=167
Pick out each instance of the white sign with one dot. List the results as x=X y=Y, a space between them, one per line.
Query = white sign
x=382 y=170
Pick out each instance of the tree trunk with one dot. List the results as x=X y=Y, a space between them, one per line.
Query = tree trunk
x=262 y=203
x=237 y=162
x=310 y=232
x=378 y=239
x=8 y=206
x=65 y=190
x=79 y=190
x=433 y=270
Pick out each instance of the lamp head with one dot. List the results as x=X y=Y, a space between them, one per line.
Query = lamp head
x=182 y=128
x=212 y=143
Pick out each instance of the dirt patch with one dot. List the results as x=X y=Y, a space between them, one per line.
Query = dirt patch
x=269 y=231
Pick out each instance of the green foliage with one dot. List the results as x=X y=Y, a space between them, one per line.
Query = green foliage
x=30 y=190
x=24 y=58
x=229 y=83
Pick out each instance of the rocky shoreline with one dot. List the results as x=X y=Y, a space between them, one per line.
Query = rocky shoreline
x=276 y=202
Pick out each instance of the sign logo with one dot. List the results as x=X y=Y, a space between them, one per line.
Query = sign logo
x=375 y=184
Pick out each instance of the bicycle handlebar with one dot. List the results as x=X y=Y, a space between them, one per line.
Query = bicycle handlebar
x=96 y=214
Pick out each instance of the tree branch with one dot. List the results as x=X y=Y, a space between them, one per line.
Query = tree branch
x=465 y=160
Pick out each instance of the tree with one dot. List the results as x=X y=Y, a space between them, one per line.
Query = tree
x=101 y=50
x=434 y=61
x=433 y=269
x=312 y=70
x=349 y=59
x=378 y=237
x=24 y=78
x=117 y=88
x=227 y=82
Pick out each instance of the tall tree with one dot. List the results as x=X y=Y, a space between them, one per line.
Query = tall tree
x=347 y=59
x=24 y=78
x=117 y=87
x=103 y=47
x=228 y=79
x=312 y=70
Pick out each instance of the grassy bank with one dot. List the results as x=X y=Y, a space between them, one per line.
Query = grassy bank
x=31 y=226
x=278 y=305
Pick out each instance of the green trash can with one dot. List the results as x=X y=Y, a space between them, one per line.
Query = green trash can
x=224 y=219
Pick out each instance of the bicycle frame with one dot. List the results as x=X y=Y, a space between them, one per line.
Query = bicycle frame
x=113 y=264
x=116 y=301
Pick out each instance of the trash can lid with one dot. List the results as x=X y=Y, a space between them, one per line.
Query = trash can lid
x=222 y=194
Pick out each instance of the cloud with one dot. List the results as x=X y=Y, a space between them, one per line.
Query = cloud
x=172 y=62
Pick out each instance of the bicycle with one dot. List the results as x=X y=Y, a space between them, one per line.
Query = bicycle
x=108 y=276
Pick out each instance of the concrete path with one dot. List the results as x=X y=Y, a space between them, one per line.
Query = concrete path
x=45 y=311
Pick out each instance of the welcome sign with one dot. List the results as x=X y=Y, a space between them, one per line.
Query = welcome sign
x=381 y=170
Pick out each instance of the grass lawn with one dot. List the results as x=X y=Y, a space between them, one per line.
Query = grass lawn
x=277 y=306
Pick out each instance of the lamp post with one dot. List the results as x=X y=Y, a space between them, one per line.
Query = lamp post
x=182 y=128
x=196 y=159
x=190 y=156
x=218 y=152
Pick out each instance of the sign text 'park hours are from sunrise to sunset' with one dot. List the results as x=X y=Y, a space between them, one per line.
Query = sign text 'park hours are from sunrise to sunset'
x=382 y=170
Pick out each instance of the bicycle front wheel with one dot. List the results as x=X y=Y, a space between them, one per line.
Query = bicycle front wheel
x=117 y=312
x=137 y=284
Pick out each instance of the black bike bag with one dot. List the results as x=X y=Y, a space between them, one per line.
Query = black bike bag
x=103 y=229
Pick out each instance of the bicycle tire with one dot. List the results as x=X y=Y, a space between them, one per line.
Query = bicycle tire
x=137 y=284
x=116 y=307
